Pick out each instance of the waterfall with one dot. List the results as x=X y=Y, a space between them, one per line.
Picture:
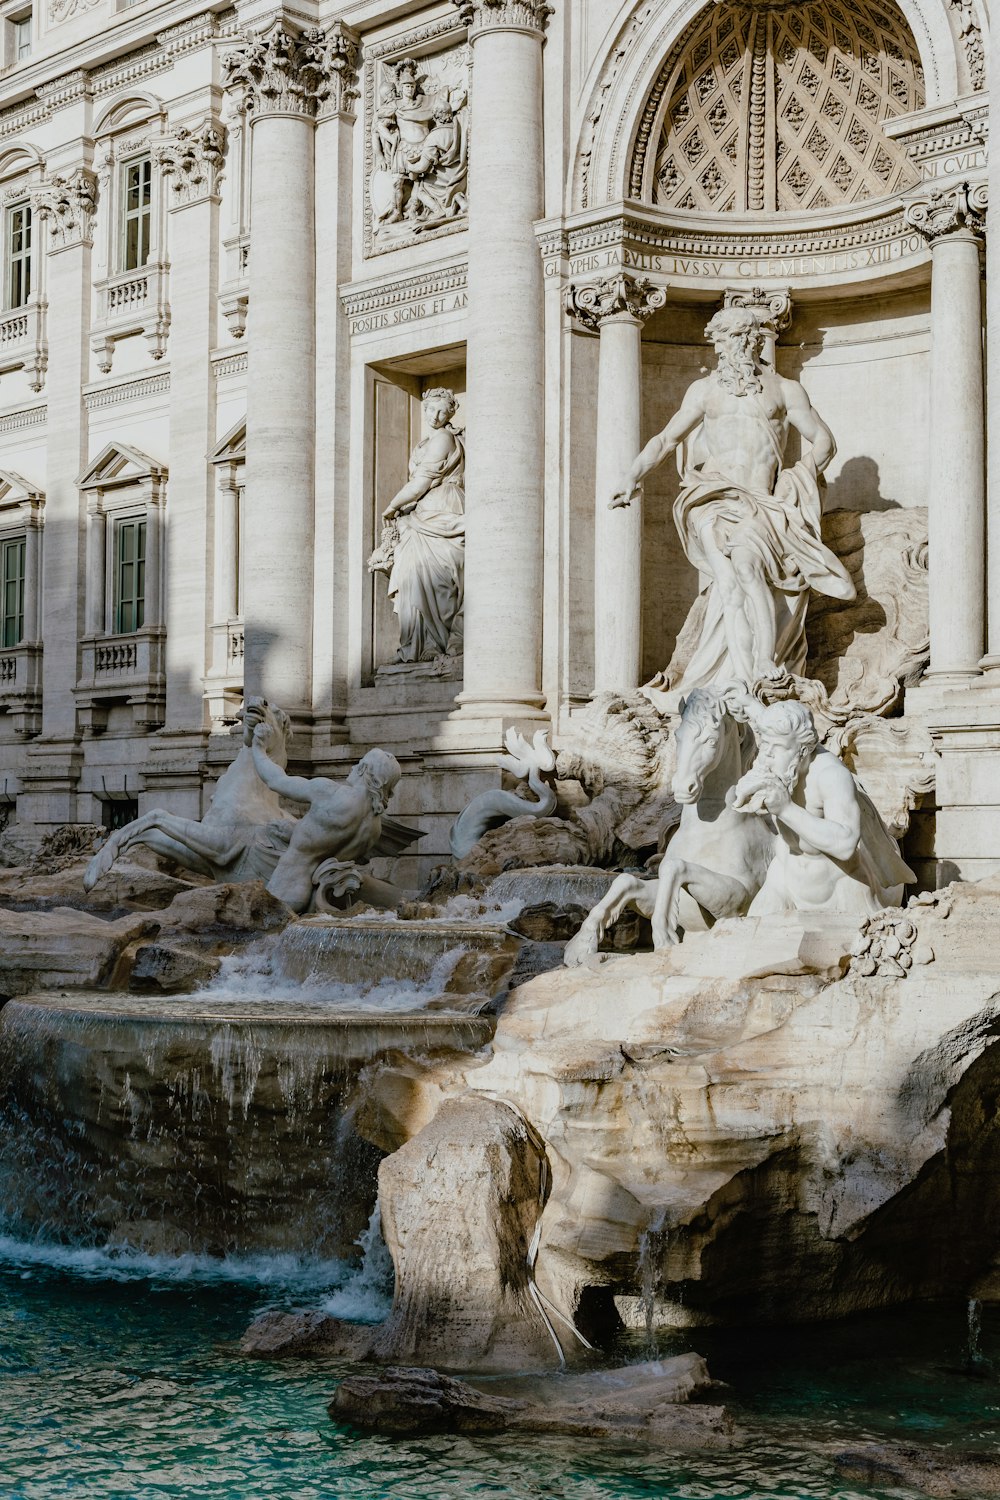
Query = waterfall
x=186 y=1128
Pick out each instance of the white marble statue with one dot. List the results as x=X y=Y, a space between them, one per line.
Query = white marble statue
x=833 y=852
x=746 y=523
x=423 y=543
x=419 y=152
x=529 y=761
x=246 y=834
x=794 y=831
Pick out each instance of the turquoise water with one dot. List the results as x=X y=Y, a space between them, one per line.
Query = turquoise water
x=120 y=1377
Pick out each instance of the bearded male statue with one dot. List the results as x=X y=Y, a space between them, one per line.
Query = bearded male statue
x=749 y=525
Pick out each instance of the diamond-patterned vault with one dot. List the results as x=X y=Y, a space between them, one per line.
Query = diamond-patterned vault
x=807 y=85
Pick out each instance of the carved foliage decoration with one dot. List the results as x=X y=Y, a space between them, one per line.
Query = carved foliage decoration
x=68 y=205
x=781 y=108
x=524 y=14
x=308 y=73
x=193 y=161
x=948 y=210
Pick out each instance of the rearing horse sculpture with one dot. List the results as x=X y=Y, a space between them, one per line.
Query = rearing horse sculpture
x=716 y=862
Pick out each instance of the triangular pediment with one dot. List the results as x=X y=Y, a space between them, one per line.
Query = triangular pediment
x=16 y=490
x=118 y=463
x=232 y=448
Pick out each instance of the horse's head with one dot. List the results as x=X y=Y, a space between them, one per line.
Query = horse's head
x=700 y=740
x=258 y=711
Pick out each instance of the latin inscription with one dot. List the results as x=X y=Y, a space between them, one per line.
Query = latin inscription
x=409 y=312
x=749 y=269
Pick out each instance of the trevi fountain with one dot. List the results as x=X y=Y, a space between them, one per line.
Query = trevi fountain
x=499 y=751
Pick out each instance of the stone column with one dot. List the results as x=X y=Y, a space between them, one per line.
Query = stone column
x=191 y=162
x=286 y=77
x=952 y=223
x=617 y=307
x=992 y=660
x=334 y=223
x=66 y=205
x=96 y=577
x=505 y=374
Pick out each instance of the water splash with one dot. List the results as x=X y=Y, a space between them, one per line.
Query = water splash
x=654 y=1244
x=366 y=1294
x=294 y=1274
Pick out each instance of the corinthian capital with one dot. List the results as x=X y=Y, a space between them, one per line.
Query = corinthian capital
x=503 y=15
x=193 y=161
x=948 y=210
x=618 y=296
x=305 y=73
x=68 y=205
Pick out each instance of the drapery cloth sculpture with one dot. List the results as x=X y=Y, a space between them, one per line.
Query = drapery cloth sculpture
x=749 y=525
x=423 y=544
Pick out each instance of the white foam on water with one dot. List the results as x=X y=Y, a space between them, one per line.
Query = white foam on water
x=250 y=976
x=119 y=1263
x=365 y=1296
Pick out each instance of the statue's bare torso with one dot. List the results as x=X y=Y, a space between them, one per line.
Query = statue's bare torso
x=742 y=436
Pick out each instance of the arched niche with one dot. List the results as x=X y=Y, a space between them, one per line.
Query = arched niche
x=630 y=86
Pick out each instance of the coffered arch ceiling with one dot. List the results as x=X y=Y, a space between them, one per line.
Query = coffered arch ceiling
x=771 y=108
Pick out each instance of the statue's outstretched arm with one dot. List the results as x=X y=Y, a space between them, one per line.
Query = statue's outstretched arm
x=295 y=787
x=689 y=417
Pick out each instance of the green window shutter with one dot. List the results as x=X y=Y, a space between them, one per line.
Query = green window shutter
x=12 y=554
x=130 y=576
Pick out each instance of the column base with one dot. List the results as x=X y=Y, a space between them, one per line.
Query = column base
x=484 y=721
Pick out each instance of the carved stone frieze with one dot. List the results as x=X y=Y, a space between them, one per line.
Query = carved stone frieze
x=617 y=296
x=491 y=15
x=61 y=10
x=971 y=33
x=68 y=205
x=282 y=72
x=193 y=160
x=417 y=144
x=949 y=210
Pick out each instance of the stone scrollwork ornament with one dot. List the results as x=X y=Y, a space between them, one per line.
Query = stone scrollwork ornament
x=615 y=296
x=68 y=204
x=949 y=210
x=308 y=73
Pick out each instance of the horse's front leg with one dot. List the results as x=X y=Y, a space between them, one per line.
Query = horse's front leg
x=626 y=890
x=719 y=895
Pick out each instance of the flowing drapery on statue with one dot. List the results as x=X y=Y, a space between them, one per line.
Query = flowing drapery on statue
x=423 y=546
x=750 y=526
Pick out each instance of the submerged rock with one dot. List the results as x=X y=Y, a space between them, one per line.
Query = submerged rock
x=949 y=1475
x=639 y=1403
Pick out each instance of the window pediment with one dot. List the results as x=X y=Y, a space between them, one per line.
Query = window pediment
x=232 y=447
x=120 y=464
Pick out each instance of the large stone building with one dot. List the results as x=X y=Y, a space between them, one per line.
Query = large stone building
x=240 y=244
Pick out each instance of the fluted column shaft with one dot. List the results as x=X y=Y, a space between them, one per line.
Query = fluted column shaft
x=287 y=78
x=952 y=223
x=505 y=458
x=617 y=306
x=993 y=398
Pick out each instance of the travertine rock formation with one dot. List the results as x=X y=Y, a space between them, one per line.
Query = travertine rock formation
x=739 y=1128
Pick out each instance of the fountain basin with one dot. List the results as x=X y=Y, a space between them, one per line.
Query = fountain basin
x=198 y=1125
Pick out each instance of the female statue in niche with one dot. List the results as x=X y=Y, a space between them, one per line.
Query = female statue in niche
x=423 y=540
